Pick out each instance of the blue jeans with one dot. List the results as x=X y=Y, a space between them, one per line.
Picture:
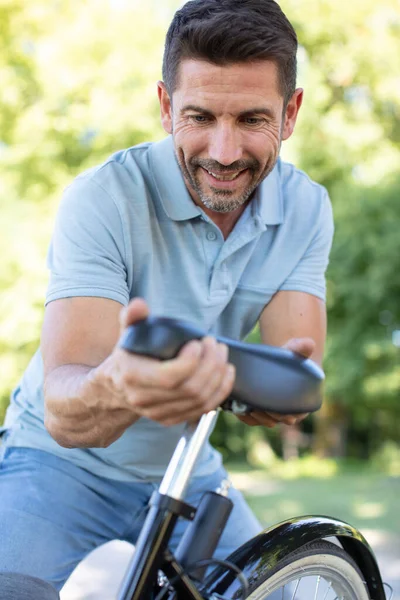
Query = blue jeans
x=53 y=513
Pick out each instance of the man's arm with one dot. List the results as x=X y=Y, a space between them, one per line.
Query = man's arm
x=78 y=335
x=94 y=390
x=295 y=315
x=297 y=321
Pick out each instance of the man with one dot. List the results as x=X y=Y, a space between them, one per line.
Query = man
x=207 y=225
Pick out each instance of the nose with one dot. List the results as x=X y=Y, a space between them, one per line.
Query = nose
x=225 y=145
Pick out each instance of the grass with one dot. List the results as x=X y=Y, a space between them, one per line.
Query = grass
x=367 y=500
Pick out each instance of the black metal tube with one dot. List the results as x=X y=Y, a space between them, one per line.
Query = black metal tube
x=185 y=588
x=203 y=533
x=149 y=553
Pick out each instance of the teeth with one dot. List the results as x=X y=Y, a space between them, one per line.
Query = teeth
x=225 y=177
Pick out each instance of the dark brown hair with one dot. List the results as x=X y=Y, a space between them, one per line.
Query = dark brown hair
x=231 y=31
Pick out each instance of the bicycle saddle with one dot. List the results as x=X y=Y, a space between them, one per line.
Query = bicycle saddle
x=267 y=378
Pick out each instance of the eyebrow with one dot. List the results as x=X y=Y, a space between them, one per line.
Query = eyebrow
x=258 y=110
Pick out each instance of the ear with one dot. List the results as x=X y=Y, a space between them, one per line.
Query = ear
x=165 y=107
x=292 y=110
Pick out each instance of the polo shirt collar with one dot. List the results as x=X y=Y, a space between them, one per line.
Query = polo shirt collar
x=267 y=203
x=173 y=193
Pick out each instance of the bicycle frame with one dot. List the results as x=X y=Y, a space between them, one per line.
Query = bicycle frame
x=150 y=552
x=254 y=558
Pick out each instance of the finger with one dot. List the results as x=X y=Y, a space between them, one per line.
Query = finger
x=208 y=403
x=224 y=389
x=170 y=412
x=304 y=346
x=265 y=419
x=176 y=371
x=301 y=417
x=136 y=310
x=149 y=399
x=210 y=372
x=248 y=419
x=294 y=419
x=265 y=422
x=138 y=372
x=210 y=385
x=211 y=403
x=288 y=419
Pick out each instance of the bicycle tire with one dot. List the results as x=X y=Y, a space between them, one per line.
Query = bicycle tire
x=317 y=559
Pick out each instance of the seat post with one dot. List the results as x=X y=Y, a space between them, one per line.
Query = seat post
x=187 y=451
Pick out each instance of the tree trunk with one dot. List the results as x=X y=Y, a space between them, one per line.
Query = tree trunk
x=330 y=431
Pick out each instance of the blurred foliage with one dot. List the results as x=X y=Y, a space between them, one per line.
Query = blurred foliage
x=79 y=82
x=361 y=496
x=387 y=459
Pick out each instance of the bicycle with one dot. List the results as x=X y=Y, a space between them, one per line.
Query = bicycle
x=294 y=559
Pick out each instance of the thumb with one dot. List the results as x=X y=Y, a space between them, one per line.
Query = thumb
x=136 y=310
x=303 y=346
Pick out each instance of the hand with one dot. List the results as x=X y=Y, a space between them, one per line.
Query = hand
x=174 y=391
x=305 y=347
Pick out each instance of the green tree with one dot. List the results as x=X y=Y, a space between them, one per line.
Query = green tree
x=348 y=139
x=78 y=83
x=362 y=363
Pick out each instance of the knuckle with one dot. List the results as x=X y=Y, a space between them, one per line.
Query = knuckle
x=136 y=399
x=171 y=421
x=205 y=402
x=227 y=384
x=167 y=382
x=192 y=389
x=210 y=341
x=223 y=352
x=212 y=405
x=128 y=378
x=158 y=416
x=193 y=415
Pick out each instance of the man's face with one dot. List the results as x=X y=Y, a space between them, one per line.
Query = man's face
x=227 y=124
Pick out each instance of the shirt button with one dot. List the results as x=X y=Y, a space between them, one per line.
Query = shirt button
x=211 y=236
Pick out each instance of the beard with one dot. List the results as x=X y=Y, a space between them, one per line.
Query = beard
x=218 y=200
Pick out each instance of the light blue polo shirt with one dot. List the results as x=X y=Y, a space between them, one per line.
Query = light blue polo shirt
x=130 y=228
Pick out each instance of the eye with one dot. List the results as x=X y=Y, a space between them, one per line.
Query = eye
x=200 y=119
x=253 y=121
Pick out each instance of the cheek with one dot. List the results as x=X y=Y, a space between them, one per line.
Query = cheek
x=191 y=141
x=271 y=138
x=264 y=148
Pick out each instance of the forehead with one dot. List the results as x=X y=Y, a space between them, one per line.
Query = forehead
x=239 y=83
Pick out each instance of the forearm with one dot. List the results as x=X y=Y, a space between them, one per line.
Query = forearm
x=83 y=408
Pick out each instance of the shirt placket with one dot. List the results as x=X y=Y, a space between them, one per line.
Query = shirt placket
x=222 y=277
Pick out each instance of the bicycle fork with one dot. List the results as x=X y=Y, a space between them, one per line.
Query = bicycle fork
x=166 y=506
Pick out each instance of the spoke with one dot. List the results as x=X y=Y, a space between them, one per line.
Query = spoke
x=283 y=593
x=316 y=589
x=327 y=591
x=295 y=589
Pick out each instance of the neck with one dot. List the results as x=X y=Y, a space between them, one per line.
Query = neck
x=225 y=221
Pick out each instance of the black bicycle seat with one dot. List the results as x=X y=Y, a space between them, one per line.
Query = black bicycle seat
x=267 y=378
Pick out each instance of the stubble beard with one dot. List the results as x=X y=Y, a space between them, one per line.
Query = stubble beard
x=223 y=201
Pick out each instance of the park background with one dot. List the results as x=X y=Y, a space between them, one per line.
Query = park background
x=78 y=82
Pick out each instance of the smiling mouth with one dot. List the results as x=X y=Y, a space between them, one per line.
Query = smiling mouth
x=225 y=176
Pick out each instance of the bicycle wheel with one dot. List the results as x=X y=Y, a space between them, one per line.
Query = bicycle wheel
x=318 y=571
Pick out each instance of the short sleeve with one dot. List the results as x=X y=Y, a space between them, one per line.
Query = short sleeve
x=87 y=254
x=309 y=273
